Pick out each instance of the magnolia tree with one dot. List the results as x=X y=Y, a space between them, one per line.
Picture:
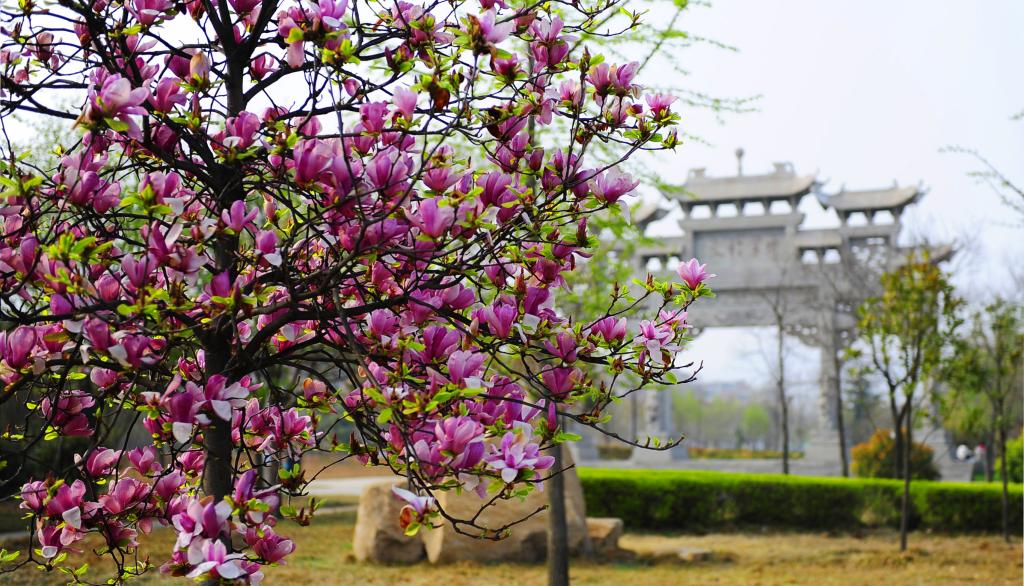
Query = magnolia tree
x=264 y=187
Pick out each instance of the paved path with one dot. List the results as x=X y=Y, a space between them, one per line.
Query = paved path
x=344 y=486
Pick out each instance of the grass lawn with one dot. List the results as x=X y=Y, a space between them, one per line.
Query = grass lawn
x=324 y=557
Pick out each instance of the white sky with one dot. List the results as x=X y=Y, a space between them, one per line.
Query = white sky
x=865 y=93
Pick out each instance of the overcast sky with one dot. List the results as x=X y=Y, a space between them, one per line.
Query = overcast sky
x=865 y=93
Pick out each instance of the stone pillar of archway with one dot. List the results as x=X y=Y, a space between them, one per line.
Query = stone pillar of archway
x=821 y=454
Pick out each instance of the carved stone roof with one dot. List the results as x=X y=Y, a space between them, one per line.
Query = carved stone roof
x=783 y=183
x=818 y=239
x=872 y=200
x=647 y=211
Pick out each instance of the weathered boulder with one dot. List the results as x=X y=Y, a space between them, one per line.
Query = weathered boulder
x=528 y=542
x=378 y=537
x=604 y=534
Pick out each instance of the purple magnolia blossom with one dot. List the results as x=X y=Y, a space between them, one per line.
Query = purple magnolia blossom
x=268 y=545
x=564 y=347
x=117 y=100
x=237 y=217
x=499 y=318
x=463 y=365
x=518 y=453
x=660 y=104
x=16 y=346
x=67 y=413
x=221 y=397
x=148 y=12
x=420 y=505
x=100 y=462
x=241 y=130
x=609 y=328
x=68 y=503
x=201 y=519
x=492 y=32
x=612 y=185
x=210 y=556
x=33 y=495
x=692 y=273
x=312 y=158
x=433 y=218
x=559 y=381
x=458 y=443
x=167 y=95
x=405 y=102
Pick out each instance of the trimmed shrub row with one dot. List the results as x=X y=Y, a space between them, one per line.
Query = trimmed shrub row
x=701 y=501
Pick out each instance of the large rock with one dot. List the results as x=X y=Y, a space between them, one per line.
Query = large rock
x=378 y=536
x=604 y=533
x=528 y=541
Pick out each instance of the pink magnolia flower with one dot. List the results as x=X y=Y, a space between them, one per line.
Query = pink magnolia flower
x=221 y=397
x=560 y=380
x=210 y=557
x=438 y=342
x=312 y=158
x=237 y=217
x=271 y=547
x=167 y=95
x=612 y=185
x=148 y=12
x=125 y=494
x=433 y=219
x=100 y=462
x=182 y=410
x=266 y=244
x=660 y=103
x=458 y=442
x=405 y=102
x=244 y=6
x=463 y=365
x=440 y=179
x=610 y=329
x=262 y=65
x=67 y=503
x=499 y=318
x=564 y=347
x=693 y=274
x=16 y=346
x=145 y=460
x=66 y=414
x=103 y=378
x=117 y=100
x=52 y=540
x=417 y=509
x=33 y=495
x=201 y=519
x=241 y=130
x=493 y=32
x=615 y=79
x=518 y=453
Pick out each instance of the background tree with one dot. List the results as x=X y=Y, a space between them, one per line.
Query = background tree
x=986 y=373
x=907 y=330
x=268 y=187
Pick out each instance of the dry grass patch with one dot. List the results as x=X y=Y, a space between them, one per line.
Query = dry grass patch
x=324 y=558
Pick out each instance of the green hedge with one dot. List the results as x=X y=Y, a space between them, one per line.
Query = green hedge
x=700 y=501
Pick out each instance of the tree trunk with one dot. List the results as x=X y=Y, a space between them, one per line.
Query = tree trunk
x=908 y=446
x=1004 y=476
x=783 y=404
x=558 y=527
x=217 y=470
x=844 y=458
x=897 y=452
x=989 y=462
